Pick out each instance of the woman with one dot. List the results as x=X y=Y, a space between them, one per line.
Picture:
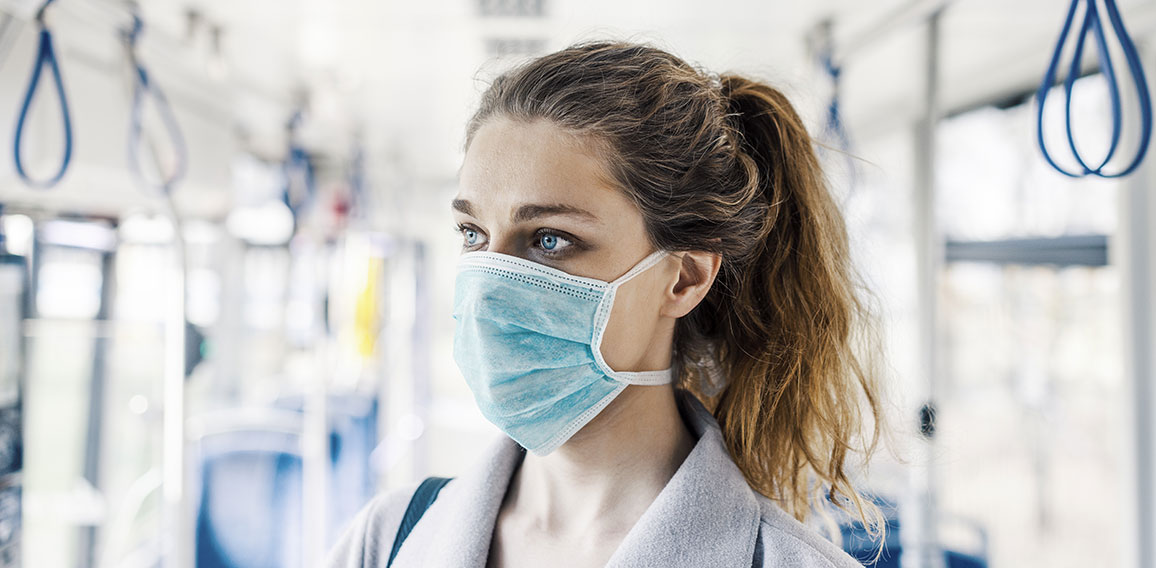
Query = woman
x=656 y=301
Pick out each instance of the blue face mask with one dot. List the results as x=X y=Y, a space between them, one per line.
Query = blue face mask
x=528 y=341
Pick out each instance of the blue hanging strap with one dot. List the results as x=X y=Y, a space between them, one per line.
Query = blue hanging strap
x=357 y=187
x=143 y=88
x=834 y=116
x=425 y=495
x=835 y=130
x=298 y=167
x=45 y=57
x=1093 y=24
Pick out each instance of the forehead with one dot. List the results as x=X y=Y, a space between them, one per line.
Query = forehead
x=512 y=162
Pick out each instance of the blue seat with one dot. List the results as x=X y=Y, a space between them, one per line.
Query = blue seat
x=250 y=501
x=961 y=560
x=858 y=544
x=250 y=483
x=352 y=438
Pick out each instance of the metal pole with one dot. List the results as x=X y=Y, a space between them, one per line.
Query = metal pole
x=422 y=377
x=11 y=416
x=1139 y=275
x=94 y=447
x=1139 y=213
x=315 y=434
x=176 y=517
x=929 y=255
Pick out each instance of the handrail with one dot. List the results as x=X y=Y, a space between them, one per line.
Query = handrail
x=143 y=87
x=1092 y=24
x=45 y=56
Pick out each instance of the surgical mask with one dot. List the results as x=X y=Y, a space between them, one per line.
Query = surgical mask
x=528 y=341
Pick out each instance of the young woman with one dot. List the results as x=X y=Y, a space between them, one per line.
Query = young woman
x=655 y=302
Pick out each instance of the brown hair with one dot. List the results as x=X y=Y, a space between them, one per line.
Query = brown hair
x=725 y=165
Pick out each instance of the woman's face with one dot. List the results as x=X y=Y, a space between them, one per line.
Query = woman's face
x=534 y=191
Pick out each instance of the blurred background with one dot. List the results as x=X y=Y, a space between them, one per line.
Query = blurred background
x=226 y=269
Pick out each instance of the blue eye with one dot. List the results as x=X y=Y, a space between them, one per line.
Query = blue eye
x=471 y=237
x=552 y=243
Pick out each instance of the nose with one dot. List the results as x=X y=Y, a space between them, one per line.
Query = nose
x=503 y=242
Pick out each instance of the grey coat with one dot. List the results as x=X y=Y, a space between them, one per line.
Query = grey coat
x=706 y=516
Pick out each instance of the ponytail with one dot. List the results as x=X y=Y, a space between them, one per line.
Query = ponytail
x=783 y=320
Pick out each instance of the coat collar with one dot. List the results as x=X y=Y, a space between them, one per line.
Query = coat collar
x=706 y=515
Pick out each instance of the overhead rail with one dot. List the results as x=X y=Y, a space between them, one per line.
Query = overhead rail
x=912 y=13
x=6 y=35
x=1093 y=24
x=45 y=57
x=833 y=50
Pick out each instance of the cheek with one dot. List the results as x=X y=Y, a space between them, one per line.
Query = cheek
x=635 y=334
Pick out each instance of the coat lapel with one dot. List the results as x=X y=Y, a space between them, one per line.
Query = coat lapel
x=457 y=529
x=706 y=515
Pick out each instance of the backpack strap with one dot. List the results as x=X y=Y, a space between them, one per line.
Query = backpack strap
x=418 y=504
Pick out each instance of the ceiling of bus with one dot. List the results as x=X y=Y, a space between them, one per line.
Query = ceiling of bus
x=412 y=67
x=402 y=77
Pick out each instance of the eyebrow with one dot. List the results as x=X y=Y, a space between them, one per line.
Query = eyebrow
x=533 y=211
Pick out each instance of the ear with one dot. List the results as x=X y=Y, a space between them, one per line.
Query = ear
x=696 y=274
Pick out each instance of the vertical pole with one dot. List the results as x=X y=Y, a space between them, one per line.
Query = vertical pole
x=94 y=449
x=1139 y=276
x=387 y=363
x=928 y=258
x=422 y=389
x=315 y=434
x=176 y=516
x=35 y=262
x=1139 y=213
x=14 y=295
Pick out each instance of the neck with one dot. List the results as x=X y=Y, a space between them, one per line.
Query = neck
x=606 y=476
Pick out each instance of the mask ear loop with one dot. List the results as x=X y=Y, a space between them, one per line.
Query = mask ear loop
x=644 y=264
x=602 y=318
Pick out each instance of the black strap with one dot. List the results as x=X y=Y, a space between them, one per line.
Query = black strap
x=421 y=500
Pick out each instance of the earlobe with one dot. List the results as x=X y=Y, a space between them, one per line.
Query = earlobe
x=696 y=274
